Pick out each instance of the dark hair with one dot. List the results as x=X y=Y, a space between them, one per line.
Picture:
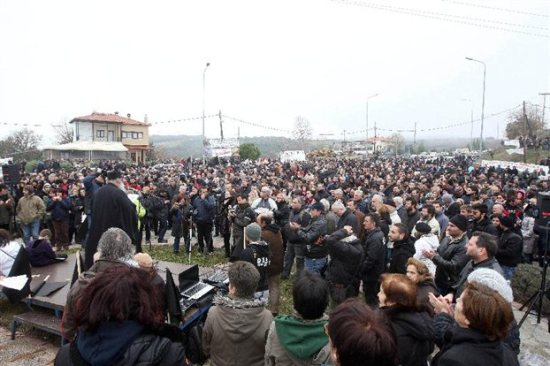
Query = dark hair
x=412 y=200
x=117 y=294
x=402 y=229
x=310 y=294
x=5 y=238
x=486 y=310
x=374 y=218
x=481 y=208
x=244 y=277
x=487 y=241
x=243 y=195
x=430 y=208
x=266 y=219
x=361 y=336
x=399 y=289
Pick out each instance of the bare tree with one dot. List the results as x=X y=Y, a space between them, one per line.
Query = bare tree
x=517 y=126
x=397 y=141
x=64 y=133
x=302 y=129
x=21 y=144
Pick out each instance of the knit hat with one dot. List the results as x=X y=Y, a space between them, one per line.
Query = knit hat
x=423 y=228
x=507 y=221
x=318 y=206
x=144 y=260
x=460 y=221
x=253 y=232
x=493 y=280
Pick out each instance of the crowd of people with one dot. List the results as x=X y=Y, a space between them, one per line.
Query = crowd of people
x=431 y=244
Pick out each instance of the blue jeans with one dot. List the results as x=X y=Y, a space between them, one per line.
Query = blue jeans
x=315 y=265
x=29 y=230
x=508 y=272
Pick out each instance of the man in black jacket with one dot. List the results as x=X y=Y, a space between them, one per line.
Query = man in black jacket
x=403 y=248
x=313 y=235
x=346 y=253
x=510 y=247
x=346 y=217
x=482 y=223
x=296 y=246
x=451 y=256
x=374 y=246
x=240 y=216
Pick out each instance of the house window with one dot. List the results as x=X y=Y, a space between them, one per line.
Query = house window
x=100 y=133
x=124 y=134
x=140 y=135
x=134 y=135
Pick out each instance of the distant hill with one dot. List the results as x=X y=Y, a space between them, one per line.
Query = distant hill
x=183 y=146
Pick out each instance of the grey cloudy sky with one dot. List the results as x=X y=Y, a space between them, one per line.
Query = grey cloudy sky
x=272 y=61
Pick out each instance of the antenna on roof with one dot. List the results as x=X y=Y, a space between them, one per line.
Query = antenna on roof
x=128 y=115
x=116 y=113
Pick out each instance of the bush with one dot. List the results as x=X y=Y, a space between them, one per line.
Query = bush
x=526 y=282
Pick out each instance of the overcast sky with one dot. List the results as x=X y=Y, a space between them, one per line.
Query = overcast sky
x=272 y=61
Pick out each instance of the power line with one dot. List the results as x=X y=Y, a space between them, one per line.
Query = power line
x=255 y=124
x=183 y=119
x=513 y=11
x=447 y=18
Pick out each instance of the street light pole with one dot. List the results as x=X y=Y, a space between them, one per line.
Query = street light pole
x=367 y=130
x=203 y=106
x=543 y=106
x=471 y=118
x=482 y=102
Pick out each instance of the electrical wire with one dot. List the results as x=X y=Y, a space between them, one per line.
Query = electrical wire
x=513 y=11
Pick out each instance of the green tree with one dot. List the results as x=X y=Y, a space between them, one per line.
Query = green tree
x=249 y=151
x=517 y=126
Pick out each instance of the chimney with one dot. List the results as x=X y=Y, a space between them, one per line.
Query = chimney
x=116 y=113
x=128 y=115
x=145 y=119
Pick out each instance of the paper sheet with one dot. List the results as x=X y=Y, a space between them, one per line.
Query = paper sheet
x=16 y=282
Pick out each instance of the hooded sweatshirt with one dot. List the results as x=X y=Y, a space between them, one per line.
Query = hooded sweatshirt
x=296 y=341
x=235 y=332
x=427 y=242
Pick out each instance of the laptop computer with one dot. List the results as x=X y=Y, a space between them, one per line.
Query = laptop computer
x=190 y=285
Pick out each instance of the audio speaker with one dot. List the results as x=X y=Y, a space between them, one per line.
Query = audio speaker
x=11 y=173
x=543 y=205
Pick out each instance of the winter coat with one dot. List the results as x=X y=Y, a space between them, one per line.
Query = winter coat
x=469 y=268
x=77 y=209
x=423 y=289
x=411 y=219
x=303 y=219
x=510 y=248
x=528 y=234
x=60 y=210
x=402 y=251
x=374 y=247
x=282 y=214
x=426 y=243
x=180 y=220
x=126 y=343
x=259 y=255
x=244 y=215
x=294 y=341
x=450 y=259
x=205 y=209
x=30 y=208
x=6 y=209
x=346 y=253
x=348 y=218
x=91 y=185
x=310 y=235
x=468 y=347
x=235 y=332
x=272 y=236
x=414 y=333
x=41 y=253
x=484 y=226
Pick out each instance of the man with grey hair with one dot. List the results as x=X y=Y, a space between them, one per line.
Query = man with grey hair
x=115 y=248
x=264 y=202
x=236 y=327
x=346 y=217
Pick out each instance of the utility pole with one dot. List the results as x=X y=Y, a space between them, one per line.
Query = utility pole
x=414 y=137
x=375 y=138
x=239 y=134
x=543 y=106
x=524 y=134
x=221 y=125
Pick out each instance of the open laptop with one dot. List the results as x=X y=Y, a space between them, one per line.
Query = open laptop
x=190 y=286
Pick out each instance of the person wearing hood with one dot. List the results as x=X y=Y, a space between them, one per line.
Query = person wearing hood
x=271 y=234
x=403 y=248
x=235 y=329
x=258 y=253
x=425 y=241
x=120 y=322
x=299 y=339
x=413 y=329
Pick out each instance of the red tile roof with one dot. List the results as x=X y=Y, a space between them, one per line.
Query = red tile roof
x=109 y=117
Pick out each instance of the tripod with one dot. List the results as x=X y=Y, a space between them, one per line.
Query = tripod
x=538 y=296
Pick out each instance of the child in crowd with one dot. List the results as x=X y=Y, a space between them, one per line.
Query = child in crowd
x=41 y=252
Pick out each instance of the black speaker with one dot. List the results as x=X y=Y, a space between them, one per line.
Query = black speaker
x=11 y=173
x=543 y=205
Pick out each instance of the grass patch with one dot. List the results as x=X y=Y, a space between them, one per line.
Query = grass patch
x=165 y=253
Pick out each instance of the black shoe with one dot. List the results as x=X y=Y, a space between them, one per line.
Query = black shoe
x=162 y=241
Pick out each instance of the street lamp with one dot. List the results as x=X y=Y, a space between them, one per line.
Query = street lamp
x=471 y=118
x=482 y=102
x=367 y=130
x=203 y=102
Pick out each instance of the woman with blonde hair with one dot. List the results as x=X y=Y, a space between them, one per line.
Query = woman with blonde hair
x=418 y=272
